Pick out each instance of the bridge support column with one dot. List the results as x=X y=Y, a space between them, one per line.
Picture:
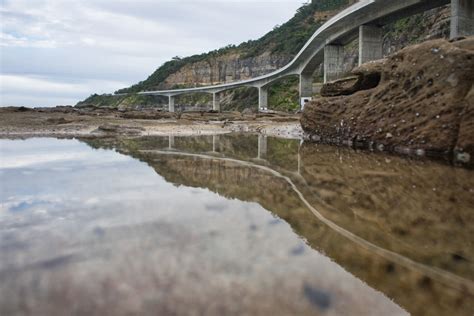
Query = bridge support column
x=306 y=89
x=262 y=99
x=216 y=102
x=333 y=62
x=262 y=146
x=171 y=103
x=215 y=143
x=370 y=43
x=462 y=18
x=299 y=162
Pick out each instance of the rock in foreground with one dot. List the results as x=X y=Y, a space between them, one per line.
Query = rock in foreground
x=423 y=103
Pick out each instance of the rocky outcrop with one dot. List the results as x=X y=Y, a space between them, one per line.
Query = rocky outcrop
x=424 y=103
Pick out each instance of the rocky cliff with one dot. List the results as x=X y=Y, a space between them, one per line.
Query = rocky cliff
x=225 y=68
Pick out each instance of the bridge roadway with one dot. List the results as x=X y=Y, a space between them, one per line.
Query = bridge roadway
x=364 y=19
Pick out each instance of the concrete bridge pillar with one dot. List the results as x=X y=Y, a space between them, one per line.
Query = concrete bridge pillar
x=306 y=89
x=216 y=102
x=262 y=98
x=333 y=62
x=300 y=162
x=171 y=103
x=370 y=43
x=262 y=146
x=215 y=143
x=462 y=18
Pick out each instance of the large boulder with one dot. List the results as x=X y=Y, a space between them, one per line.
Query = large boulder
x=424 y=102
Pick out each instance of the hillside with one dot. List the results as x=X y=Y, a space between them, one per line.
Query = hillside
x=258 y=57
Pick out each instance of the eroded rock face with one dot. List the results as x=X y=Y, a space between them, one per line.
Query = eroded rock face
x=424 y=102
x=224 y=69
x=344 y=86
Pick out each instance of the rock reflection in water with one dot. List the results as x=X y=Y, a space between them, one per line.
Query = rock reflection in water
x=414 y=217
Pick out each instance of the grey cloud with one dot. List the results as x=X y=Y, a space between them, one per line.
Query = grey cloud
x=76 y=42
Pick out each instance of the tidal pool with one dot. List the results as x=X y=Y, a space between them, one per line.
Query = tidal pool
x=230 y=224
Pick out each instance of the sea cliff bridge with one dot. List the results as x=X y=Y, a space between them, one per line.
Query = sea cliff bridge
x=364 y=20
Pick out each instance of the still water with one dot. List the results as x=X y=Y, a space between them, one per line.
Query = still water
x=230 y=224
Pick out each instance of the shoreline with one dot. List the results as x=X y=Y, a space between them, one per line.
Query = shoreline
x=68 y=122
x=72 y=122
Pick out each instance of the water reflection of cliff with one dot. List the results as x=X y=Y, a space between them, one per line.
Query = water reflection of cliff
x=414 y=218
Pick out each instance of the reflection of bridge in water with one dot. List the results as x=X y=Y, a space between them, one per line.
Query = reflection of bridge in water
x=297 y=184
x=261 y=150
x=360 y=209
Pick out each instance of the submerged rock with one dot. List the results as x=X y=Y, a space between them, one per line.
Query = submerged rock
x=423 y=99
x=119 y=129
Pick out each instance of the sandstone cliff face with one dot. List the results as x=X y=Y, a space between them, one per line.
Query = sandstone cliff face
x=424 y=102
x=224 y=69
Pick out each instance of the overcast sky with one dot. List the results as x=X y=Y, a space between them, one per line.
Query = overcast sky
x=61 y=51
